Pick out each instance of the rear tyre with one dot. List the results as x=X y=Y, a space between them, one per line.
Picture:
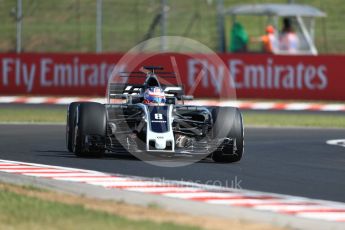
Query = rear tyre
x=228 y=124
x=89 y=130
x=70 y=124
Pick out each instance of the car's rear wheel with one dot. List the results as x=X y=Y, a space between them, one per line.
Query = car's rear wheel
x=228 y=125
x=89 y=131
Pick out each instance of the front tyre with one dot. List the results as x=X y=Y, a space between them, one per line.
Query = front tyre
x=89 y=131
x=228 y=127
x=71 y=112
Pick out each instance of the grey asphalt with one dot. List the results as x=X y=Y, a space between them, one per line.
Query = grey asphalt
x=289 y=161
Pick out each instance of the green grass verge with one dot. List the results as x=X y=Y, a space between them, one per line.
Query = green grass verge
x=58 y=115
x=282 y=119
x=51 y=115
x=23 y=212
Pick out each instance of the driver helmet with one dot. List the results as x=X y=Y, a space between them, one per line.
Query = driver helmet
x=154 y=95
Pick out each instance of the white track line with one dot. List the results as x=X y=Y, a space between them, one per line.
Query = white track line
x=338 y=142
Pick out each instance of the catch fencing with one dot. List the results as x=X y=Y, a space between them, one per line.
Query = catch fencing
x=117 y=25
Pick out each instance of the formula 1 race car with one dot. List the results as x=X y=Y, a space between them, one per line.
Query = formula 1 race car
x=166 y=128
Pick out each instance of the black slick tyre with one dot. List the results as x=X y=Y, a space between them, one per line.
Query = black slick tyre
x=89 y=130
x=228 y=123
x=70 y=124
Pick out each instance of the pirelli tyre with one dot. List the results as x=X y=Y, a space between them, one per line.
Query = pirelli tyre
x=228 y=127
x=70 y=124
x=89 y=131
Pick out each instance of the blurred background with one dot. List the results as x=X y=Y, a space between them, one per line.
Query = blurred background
x=116 y=25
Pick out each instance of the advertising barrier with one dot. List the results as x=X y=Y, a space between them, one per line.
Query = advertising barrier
x=251 y=75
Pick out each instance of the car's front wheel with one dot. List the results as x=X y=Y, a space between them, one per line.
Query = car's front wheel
x=89 y=131
x=228 y=126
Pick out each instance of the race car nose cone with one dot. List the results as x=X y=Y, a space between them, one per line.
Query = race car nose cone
x=160 y=144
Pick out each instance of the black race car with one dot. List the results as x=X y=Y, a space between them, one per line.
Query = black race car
x=169 y=130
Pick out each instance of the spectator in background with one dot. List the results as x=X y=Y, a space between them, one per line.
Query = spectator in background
x=239 y=38
x=288 y=39
x=269 y=40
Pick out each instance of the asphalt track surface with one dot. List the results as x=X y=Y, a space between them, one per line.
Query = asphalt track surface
x=280 y=160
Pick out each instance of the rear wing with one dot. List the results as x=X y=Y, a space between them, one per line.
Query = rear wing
x=147 y=71
x=118 y=89
x=150 y=74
